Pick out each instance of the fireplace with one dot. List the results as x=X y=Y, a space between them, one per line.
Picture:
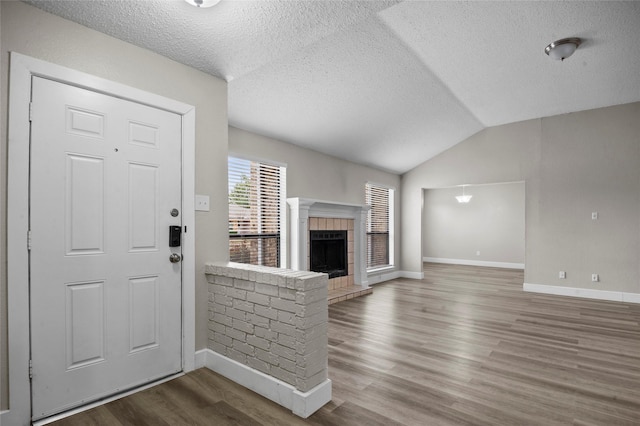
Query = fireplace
x=315 y=215
x=328 y=252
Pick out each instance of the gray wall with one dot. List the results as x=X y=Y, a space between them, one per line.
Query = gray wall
x=572 y=164
x=491 y=223
x=32 y=32
x=311 y=174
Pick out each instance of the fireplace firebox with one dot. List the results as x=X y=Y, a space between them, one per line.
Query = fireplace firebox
x=328 y=253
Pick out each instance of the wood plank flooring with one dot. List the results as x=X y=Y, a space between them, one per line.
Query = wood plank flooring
x=464 y=346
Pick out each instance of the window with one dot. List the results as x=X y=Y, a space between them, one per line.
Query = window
x=379 y=226
x=256 y=197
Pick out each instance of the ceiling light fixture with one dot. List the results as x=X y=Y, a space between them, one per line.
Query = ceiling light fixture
x=562 y=49
x=463 y=198
x=203 y=3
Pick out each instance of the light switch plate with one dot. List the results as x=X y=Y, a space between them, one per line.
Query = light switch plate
x=202 y=203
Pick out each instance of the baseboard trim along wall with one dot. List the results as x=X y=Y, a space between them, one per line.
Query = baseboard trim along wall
x=505 y=265
x=587 y=293
x=302 y=404
x=380 y=277
x=411 y=275
x=201 y=358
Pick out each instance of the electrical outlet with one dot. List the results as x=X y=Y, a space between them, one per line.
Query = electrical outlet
x=595 y=278
x=562 y=275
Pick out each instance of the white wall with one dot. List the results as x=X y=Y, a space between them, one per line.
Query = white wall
x=35 y=33
x=492 y=223
x=572 y=165
x=311 y=174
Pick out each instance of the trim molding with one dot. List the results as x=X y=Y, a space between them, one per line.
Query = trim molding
x=587 y=293
x=303 y=404
x=487 y=263
x=411 y=275
x=382 y=276
x=201 y=358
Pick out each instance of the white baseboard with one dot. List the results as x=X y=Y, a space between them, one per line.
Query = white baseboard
x=377 y=278
x=587 y=293
x=506 y=265
x=411 y=275
x=303 y=404
x=200 y=359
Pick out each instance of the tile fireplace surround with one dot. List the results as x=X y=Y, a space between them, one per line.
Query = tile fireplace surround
x=336 y=224
x=302 y=209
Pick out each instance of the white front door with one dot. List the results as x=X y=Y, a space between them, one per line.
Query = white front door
x=105 y=298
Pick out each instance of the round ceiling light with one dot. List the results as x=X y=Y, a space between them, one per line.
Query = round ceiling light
x=203 y=3
x=562 y=49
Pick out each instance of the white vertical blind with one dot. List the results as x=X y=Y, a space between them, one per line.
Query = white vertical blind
x=377 y=225
x=254 y=212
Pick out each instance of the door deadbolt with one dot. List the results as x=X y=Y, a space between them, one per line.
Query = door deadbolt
x=174 y=212
x=175 y=258
x=174 y=235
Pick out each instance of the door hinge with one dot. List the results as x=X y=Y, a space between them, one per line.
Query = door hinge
x=29 y=240
x=30 y=369
x=30 y=111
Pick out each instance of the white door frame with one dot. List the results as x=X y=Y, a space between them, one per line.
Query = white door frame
x=21 y=71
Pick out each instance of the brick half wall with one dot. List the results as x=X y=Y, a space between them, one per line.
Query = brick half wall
x=271 y=320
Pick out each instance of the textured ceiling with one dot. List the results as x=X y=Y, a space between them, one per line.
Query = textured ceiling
x=385 y=83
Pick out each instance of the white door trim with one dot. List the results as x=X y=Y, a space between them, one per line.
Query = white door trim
x=22 y=68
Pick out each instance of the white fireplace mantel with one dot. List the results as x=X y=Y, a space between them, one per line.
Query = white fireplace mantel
x=303 y=208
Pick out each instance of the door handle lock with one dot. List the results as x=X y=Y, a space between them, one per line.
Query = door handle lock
x=174 y=236
x=175 y=258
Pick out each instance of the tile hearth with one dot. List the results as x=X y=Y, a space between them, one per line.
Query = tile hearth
x=345 y=293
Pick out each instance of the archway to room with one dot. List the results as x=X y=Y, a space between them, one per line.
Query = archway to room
x=489 y=230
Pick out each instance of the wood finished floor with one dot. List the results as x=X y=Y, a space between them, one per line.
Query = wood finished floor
x=464 y=346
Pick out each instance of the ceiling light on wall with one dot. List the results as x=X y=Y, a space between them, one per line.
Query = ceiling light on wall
x=203 y=3
x=463 y=198
x=562 y=49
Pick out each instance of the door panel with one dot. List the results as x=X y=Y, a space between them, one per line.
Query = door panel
x=105 y=300
x=143 y=135
x=143 y=310
x=85 y=204
x=143 y=209
x=84 y=123
x=85 y=324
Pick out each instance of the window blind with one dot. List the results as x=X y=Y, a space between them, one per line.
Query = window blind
x=377 y=225
x=254 y=212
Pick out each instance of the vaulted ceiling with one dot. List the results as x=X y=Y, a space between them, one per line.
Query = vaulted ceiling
x=387 y=83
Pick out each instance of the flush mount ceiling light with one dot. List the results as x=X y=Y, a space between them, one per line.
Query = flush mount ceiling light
x=562 y=49
x=203 y=3
x=463 y=198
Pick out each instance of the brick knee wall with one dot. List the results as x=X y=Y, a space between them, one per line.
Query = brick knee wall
x=272 y=320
